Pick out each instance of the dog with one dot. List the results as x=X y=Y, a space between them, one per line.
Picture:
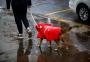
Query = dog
x=48 y=32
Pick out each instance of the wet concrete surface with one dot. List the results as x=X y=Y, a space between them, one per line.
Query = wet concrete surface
x=26 y=50
x=50 y=55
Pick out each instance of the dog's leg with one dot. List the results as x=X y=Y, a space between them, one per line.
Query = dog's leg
x=57 y=44
x=65 y=43
x=49 y=43
x=40 y=42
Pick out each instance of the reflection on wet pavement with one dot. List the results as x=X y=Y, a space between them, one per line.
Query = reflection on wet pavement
x=22 y=54
x=66 y=56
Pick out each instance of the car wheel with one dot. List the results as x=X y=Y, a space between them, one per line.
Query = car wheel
x=83 y=13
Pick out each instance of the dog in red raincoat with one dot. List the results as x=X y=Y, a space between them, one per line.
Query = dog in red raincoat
x=48 y=32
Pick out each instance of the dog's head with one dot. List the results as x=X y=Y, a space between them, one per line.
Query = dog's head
x=39 y=26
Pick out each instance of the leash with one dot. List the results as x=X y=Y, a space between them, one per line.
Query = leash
x=33 y=19
x=48 y=19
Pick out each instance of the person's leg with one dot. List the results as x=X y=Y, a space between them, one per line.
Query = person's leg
x=8 y=4
x=26 y=24
x=19 y=24
x=24 y=16
x=25 y=21
x=17 y=20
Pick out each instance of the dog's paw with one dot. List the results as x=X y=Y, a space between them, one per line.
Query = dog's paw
x=67 y=48
x=56 y=49
x=49 y=46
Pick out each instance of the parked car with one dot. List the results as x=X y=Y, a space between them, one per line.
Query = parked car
x=81 y=8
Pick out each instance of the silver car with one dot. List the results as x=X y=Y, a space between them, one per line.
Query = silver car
x=82 y=8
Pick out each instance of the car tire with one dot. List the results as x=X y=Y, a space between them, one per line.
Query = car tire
x=83 y=13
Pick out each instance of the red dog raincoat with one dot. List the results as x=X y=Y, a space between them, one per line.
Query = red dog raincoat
x=48 y=32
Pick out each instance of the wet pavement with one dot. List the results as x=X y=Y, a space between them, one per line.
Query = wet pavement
x=26 y=50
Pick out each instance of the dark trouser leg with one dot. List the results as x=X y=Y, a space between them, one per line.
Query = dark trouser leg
x=8 y=4
x=19 y=24
x=24 y=18
x=25 y=21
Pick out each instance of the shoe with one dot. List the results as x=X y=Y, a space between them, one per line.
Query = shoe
x=29 y=32
x=19 y=36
